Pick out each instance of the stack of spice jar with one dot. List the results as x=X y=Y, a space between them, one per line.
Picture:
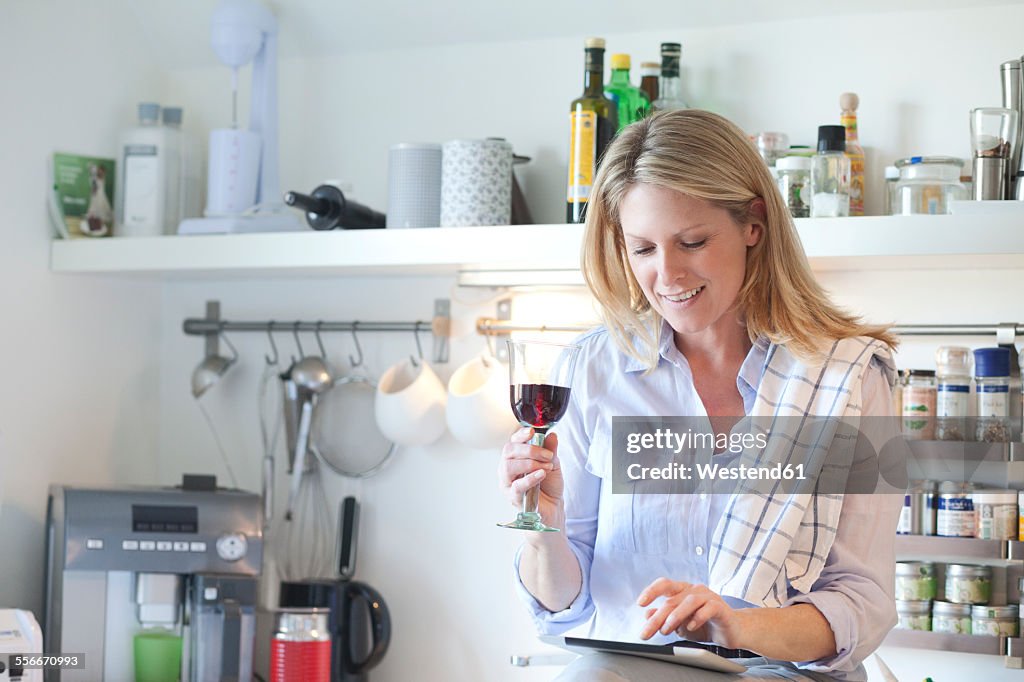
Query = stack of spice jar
x=965 y=610
x=936 y=404
x=961 y=510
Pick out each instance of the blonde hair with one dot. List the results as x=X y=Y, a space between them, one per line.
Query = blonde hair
x=706 y=156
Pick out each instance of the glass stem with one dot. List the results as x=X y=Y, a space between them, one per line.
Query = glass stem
x=531 y=500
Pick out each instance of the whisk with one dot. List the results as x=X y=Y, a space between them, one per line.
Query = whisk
x=304 y=546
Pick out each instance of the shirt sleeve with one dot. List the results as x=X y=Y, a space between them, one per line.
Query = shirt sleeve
x=581 y=498
x=855 y=592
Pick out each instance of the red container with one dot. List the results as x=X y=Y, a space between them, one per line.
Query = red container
x=300 y=650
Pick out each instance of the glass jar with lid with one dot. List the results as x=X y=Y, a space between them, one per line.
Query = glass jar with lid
x=992 y=386
x=927 y=184
x=919 y=405
x=952 y=392
x=794 y=176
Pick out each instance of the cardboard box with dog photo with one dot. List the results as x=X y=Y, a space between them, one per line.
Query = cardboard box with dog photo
x=83 y=188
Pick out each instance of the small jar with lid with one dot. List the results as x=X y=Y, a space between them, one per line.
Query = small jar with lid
x=992 y=388
x=995 y=514
x=919 y=405
x=952 y=392
x=794 y=177
x=927 y=184
x=914 y=615
x=995 y=621
x=968 y=584
x=954 y=510
x=915 y=580
x=952 y=618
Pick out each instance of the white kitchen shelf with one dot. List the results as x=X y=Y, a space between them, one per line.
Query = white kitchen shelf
x=869 y=243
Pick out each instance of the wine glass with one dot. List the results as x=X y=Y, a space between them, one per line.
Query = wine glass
x=540 y=376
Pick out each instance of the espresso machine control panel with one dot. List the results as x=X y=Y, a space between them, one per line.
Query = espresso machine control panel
x=165 y=530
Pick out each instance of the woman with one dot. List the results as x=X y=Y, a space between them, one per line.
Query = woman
x=710 y=309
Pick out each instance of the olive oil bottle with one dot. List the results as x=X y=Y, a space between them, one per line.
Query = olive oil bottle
x=593 y=120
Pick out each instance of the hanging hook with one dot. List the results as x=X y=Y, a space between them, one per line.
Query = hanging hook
x=419 y=348
x=273 y=346
x=353 y=361
x=319 y=341
x=295 y=333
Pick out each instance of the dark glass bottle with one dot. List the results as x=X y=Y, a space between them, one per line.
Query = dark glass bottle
x=649 y=72
x=593 y=120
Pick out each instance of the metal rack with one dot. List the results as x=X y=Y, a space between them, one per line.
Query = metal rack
x=439 y=326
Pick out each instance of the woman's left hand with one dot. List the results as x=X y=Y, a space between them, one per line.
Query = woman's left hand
x=691 y=611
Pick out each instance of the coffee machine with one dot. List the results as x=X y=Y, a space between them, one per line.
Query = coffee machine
x=179 y=560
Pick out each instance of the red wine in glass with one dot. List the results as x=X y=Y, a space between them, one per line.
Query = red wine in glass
x=539 y=405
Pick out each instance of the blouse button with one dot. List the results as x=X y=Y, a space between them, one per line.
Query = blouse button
x=699 y=550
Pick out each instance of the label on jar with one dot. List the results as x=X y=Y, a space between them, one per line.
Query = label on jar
x=957 y=625
x=908 y=621
x=906 y=523
x=994 y=627
x=996 y=521
x=952 y=400
x=993 y=401
x=955 y=517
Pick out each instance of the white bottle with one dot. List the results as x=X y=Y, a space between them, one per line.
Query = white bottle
x=142 y=183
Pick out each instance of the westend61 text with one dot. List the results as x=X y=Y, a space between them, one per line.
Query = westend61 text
x=716 y=472
x=667 y=439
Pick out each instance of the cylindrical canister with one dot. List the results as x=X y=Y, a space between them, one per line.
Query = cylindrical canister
x=476 y=183
x=414 y=185
x=300 y=650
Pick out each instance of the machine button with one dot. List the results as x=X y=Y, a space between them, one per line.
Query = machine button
x=197 y=547
x=180 y=546
x=164 y=546
x=94 y=543
x=232 y=546
x=147 y=545
x=130 y=545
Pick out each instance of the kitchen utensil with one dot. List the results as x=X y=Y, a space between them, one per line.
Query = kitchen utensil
x=354 y=453
x=211 y=369
x=305 y=548
x=270 y=430
x=1013 y=98
x=327 y=208
x=311 y=376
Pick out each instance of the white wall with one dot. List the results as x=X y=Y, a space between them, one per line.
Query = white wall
x=78 y=354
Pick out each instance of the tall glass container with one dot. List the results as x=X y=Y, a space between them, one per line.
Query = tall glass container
x=952 y=392
x=919 y=405
x=992 y=385
x=670 y=88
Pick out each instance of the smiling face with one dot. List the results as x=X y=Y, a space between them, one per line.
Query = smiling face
x=689 y=258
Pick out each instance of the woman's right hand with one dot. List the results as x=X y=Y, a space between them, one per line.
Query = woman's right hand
x=523 y=466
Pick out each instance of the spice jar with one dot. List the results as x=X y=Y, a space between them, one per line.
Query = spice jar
x=995 y=621
x=794 y=175
x=927 y=184
x=954 y=510
x=967 y=584
x=919 y=405
x=995 y=513
x=952 y=618
x=915 y=580
x=992 y=382
x=914 y=615
x=952 y=392
x=917 y=517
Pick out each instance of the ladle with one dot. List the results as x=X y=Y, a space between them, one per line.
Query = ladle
x=312 y=377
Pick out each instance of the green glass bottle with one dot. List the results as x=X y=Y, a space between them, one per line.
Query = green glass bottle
x=593 y=121
x=633 y=102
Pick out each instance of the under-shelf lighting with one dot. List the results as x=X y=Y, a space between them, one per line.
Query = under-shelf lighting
x=520 y=278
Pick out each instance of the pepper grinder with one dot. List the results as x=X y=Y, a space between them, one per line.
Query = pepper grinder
x=993 y=136
x=327 y=208
x=1013 y=98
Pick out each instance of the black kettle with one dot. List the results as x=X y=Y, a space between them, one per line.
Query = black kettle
x=359 y=621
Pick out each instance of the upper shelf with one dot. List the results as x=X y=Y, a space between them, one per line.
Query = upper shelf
x=872 y=243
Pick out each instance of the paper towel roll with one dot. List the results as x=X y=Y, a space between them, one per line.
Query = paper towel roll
x=476 y=183
x=414 y=185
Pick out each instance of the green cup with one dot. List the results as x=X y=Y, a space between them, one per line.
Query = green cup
x=157 y=656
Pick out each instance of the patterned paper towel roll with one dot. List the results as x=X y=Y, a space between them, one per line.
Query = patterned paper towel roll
x=476 y=183
x=414 y=185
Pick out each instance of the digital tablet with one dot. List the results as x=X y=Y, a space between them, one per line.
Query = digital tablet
x=693 y=654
